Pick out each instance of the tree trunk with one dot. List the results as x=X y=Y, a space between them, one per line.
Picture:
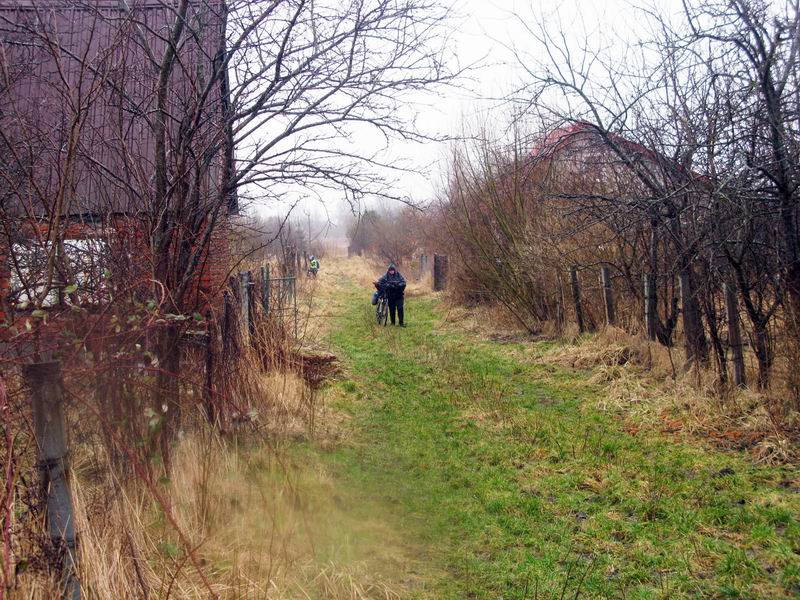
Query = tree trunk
x=763 y=354
x=734 y=335
x=650 y=313
x=715 y=337
x=694 y=335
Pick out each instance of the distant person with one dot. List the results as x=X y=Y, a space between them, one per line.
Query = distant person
x=394 y=286
x=313 y=265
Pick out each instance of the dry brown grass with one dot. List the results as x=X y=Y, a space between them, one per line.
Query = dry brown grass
x=649 y=384
x=262 y=521
x=488 y=321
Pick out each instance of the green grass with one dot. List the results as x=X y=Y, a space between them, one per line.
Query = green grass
x=512 y=485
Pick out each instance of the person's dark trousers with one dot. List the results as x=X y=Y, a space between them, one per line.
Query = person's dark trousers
x=396 y=305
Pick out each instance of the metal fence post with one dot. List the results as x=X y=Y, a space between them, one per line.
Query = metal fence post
x=44 y=380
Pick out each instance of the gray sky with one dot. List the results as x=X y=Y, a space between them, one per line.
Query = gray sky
x=484 y=31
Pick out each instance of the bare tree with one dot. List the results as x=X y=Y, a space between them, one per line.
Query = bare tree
x=165 y=112
x=671 y=156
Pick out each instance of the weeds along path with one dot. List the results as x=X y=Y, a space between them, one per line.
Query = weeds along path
x=504 y=481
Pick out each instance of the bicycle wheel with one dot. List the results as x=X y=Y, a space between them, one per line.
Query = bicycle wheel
x=382 y=311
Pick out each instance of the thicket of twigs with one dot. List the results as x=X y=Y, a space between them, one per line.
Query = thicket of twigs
x=679 y=164
x=389 y=234
x=130 y=453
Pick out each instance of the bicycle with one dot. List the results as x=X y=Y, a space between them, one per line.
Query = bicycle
x=382 y=310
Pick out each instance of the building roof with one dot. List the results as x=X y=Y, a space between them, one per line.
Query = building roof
x=584 y=141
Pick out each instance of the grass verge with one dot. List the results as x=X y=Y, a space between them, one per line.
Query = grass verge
x=517 y=486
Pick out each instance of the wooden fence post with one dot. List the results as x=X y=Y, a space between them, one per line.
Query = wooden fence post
x=227 y=324
x=560 y=314
x=440 y=268
x=246 y=304
x=576 y=298
x=265 y=289
x=293 y=297
x=734 y=334
x=208 y=388
x=423 y=265
x=608 y=295
x=44 y=380
x=650 y=306
x=251 y=303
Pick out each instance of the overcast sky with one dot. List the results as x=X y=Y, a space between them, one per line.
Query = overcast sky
x=483 y=32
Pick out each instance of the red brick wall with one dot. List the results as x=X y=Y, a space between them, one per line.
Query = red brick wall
x=214 y=267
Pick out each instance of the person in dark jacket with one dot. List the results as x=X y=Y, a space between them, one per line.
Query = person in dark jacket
x=394 y=286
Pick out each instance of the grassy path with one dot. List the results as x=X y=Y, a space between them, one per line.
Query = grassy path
x=505 y=482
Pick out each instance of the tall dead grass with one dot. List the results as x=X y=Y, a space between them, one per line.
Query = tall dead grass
x=651 y=386
x=651 y=383
x=259 y=522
